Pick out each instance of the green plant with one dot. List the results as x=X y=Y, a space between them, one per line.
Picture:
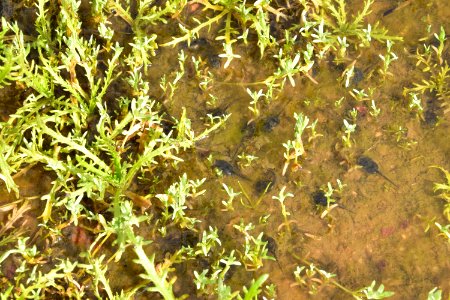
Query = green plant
x=168 y=87
x=348 y=130
x=436 y=71
x=231 y=195
x=444 y=230
x=371 y=293
x=399 y=133
x=415 y=103
x=72 y=125
x=281 y=198
x=216 y=281
x=156 y=276
x=361 y=95
x=387 y=59
x=313 y=278
x=13 y=55
x=444 y=191
x=231 y=12
x=96 y=110
x=245 y=160
x=332 y=28
x=255 y=98
x=294 y=148
x=374 y=110
x=435 y=294
x=331 y=194
x=255 y=248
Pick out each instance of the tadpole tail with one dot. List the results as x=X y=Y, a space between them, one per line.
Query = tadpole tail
x=387 y=178
x=242 y=176
x=278 y=262
x=345 y=208
x=279 y=265
x=236 y=151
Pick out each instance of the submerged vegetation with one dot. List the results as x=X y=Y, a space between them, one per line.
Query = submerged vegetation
x=118 y=177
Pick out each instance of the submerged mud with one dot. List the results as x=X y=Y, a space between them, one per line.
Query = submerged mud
x=379 y=235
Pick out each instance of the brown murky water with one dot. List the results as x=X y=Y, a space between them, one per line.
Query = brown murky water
x=379 y=233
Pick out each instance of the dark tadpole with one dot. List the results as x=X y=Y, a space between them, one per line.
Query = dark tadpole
x=358 y=76
x=197 y=44
x=270 y=122
x=396 y=7
x=218 y=111
x=430 y=117
x=248 y=130
x=272 y=247
x=177 y=240
x=266 y=183
x=262 y=125
x=371 y=167
x=389 y=11
x=231 y=271
x=227 y=169
x=319 y=198
x=263 y=185
x=214 y=61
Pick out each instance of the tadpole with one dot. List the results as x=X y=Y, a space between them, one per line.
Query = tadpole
x=266 y=183
x=214 y=61
x=176 y=240
x=248 y=131
x=371 y=167
x=206 y=49
x=273 y=120
x=220 y=111
x=197 y=44
x=227 y=169
x=319 y=198
x=270 y=122
x=358 y=76
x=263 y=185
x=272 y=247
x=430 y=117
x=390 y=10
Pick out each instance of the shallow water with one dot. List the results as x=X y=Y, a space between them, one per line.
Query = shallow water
x=378 y=230
x=380 y=233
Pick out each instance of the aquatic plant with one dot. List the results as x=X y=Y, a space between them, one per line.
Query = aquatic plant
x=387 y=59
x=330 y=195
x=72 y=125
x=294 y=149
x=249 y=16
x=231 y=195
x=436 y=74
x=255 y=248
x=444 y=193
x=312 y=277
x=112 y=138
x=282 y=196
x=435 y=294
x=348 y=130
